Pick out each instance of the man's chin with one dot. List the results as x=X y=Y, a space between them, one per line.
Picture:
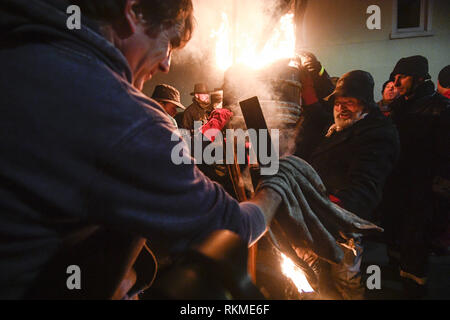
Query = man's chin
x=391 y=98
x=343 y=123
x=139 y=82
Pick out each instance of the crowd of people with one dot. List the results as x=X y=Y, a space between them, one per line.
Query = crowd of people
x=357 y=145
x=87 y=174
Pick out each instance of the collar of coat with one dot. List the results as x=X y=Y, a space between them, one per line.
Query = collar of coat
x=374 y=119
x=334 y=128
x=425 y=101
x=422 y=93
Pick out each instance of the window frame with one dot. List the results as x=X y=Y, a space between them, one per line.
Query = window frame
x=425 y=27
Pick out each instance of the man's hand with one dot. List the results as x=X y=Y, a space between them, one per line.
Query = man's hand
x=268 y=201
x=312 y=68
x=310 y=63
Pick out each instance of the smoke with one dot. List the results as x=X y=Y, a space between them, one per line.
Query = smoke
x=251 y=16
x=237 y=24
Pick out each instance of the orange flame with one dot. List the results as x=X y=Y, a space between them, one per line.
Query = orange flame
x=297 y=276
x=280 y=45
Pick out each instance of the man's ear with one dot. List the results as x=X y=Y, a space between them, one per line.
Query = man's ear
x=125 y=26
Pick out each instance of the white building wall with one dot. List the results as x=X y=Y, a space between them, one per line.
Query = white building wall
x=336 y=31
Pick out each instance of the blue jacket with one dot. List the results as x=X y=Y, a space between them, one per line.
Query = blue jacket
x=80 y=147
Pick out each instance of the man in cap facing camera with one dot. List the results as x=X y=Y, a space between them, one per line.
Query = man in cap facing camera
x=200 y=109
x=410 y=76
x=169 y=98
x=412 y=197
x=353 y=148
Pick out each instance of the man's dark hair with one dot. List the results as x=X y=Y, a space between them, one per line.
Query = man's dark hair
x=444 y=77
x=160 y=14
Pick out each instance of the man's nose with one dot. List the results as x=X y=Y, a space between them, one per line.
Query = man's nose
x=397 y=82
x=164 y=66
x=338 y=107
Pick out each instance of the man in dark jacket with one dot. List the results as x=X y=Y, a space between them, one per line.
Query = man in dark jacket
x=412 y=196
x=86 y=170
x=353 y=147
x=200 y=109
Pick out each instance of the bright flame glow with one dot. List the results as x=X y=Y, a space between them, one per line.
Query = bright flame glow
x=280 y=45
x=223 y=45
x=297 y=276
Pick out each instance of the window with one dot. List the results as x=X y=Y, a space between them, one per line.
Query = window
x=411 y=18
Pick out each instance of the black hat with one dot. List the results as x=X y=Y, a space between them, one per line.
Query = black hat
x=200 y=88
x=416 y=66
x=164 y=92
x=444 y=77
x=355 y=84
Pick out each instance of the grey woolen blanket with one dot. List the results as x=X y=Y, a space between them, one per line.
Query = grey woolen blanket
x=312 y=221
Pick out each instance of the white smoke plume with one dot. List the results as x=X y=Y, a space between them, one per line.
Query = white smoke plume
x=251 y=18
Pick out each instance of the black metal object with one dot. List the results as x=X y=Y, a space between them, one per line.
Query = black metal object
x=254 y=119
x=214 y=270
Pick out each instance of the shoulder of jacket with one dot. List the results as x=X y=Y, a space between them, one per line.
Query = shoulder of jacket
x=376 y=127
x=190 y=108
x=441 y=102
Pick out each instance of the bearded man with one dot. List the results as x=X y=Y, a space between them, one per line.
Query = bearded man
x=353 y=147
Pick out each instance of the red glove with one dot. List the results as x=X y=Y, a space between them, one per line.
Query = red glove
x=335 y=200
x=217 y=121
x=308 y=92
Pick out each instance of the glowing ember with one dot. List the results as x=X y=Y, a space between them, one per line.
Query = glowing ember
x=297 y=276
x=280 y=45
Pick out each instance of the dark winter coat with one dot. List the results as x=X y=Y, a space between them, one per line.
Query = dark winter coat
x=423 y=123
x=81 y=150
x=353 y=163
x=195 y=113
x=410 y=204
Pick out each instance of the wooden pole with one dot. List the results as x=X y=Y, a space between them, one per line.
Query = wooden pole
x=239 y=188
